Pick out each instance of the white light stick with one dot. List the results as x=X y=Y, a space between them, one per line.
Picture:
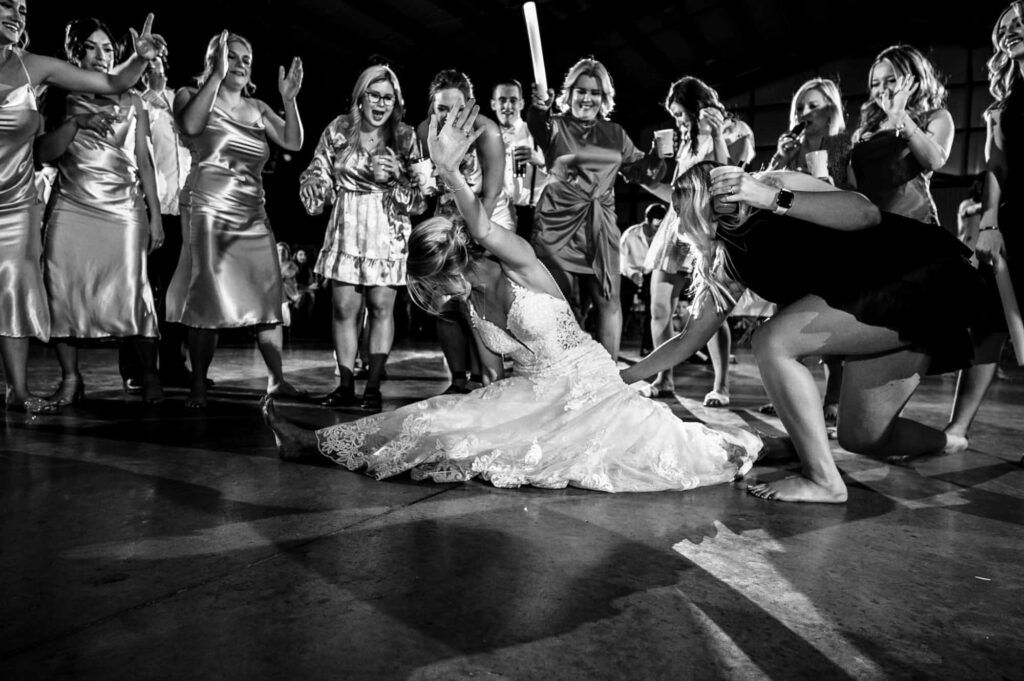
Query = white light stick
x=536 y=51
x=1010 y=308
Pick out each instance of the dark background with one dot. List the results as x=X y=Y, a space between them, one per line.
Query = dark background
x=646 y=44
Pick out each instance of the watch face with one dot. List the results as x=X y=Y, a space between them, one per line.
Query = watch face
x=785 y=199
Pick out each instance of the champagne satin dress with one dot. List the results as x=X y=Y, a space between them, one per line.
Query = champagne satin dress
x=97 y=231
x=228 y=274
x=23 y=309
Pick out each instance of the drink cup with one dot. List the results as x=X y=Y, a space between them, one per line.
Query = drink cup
x=424 y=170
x=663 y=142
x=719 y=206
x=519 y=161
x=380 y=173
x=817 y=163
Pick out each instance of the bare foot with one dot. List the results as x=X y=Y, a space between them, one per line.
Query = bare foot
x=799 y=488
x=286 y=390
x=293 y=443
x=955 y=443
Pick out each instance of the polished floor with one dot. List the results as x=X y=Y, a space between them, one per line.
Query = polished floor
x=159 y=543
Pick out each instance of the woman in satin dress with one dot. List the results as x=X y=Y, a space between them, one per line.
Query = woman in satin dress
x=97 y=231
x=228 y=275
x=575 y=231
x=564 y=418
x=24 y=313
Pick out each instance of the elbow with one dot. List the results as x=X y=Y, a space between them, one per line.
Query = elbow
x=872 y=215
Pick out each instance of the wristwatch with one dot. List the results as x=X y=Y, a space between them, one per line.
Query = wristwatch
x=783 y=201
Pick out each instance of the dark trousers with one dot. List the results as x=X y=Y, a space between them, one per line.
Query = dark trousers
x=524 y=221
x=626 y=293
x=161 y=265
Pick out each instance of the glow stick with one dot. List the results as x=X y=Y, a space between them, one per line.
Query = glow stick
x=1010 y=307
x=536 y=51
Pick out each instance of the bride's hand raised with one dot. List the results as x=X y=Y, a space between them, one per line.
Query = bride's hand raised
x=449 y=143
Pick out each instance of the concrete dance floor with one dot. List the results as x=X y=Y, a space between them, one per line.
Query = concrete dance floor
x=159 y=543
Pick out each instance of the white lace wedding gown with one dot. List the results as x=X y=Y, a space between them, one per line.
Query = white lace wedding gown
x=564 y=418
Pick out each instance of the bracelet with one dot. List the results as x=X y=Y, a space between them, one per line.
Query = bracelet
x=988 y=228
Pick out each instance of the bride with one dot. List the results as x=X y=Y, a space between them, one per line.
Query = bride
x=564 y=418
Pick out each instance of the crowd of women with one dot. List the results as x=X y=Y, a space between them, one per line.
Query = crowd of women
x=840 y=235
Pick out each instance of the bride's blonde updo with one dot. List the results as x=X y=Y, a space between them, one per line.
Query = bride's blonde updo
x=440 y=252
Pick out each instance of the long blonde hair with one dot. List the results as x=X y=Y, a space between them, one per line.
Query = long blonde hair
x=929 y=96
x=692 y=202
x=1002 y=70
x=830 y=91
x=440 y=252
x=375 y=74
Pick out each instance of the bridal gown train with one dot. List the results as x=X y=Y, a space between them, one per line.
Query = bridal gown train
x=564 y=418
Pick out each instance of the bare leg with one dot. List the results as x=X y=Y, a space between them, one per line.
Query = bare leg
x=971 y=386
x=719 y=348
x=201 y=346
x=609 y=312
x=14 y=352
x=665 y=291
x=71 y=388
x=270 y=340
x=455 y=346
x=833 y=386
x=381 y=307
x=874 y=391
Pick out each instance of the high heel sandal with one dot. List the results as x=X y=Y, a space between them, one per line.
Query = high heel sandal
x=70 y=392
x=152 y=391
x=29 y=405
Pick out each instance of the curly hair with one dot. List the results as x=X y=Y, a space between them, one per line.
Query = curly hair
x=440 y=251
x=78 y=31
x=595 y=69
x=929 y=96
x=375 y=74
x=1002 y=70
x=210 y=60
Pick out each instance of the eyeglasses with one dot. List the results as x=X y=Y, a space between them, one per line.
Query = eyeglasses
x=377 y=98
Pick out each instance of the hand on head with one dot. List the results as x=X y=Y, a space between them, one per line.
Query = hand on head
x=449 y=145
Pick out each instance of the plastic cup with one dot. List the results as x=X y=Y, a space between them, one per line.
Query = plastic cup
x=719 y=206
x=380 y=173
x=817 y=163
x=663 y=142
x=424 y=170
x=519 y=167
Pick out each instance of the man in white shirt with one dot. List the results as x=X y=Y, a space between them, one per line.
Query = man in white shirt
x=524 y=163
x=633 y=246
x=171 y=161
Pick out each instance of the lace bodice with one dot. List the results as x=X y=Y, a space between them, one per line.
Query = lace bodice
x=541 y=330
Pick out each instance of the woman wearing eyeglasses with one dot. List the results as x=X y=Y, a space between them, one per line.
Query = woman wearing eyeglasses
x=360 y=166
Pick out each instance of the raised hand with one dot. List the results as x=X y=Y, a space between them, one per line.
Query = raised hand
x=289 y=84
x=542 y=100
x=220 y=67
x=893 y=102
x=713 y=119
x=741 y=187
x=147 y=45
x=449 y=145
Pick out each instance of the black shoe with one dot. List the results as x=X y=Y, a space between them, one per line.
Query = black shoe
x=342 y=396
x=132 y=386
x=372 y=400
x=456 y=390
